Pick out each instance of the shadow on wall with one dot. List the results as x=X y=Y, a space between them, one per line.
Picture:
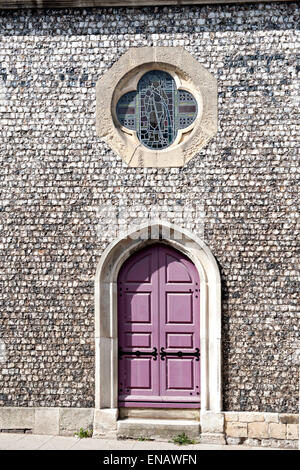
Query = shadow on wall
x=120 y=20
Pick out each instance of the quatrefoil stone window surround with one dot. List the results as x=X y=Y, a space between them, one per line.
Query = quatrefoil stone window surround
x=156 y=107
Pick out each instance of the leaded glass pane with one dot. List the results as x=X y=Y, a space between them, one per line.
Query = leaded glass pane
x=126 y=110
x=187 y=109
x=157 y=110
x=157 y=95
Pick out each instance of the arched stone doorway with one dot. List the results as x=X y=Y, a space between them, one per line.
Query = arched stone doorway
x=106 y=316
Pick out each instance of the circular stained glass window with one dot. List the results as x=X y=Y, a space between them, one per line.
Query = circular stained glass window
x=157 y=110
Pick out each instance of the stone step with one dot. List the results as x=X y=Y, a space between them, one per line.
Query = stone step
x=157 y=429
x=160 y=413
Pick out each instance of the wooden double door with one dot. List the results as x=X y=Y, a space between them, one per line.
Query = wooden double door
x=159 y=329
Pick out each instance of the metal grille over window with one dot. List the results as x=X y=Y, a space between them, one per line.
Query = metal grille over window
x=157 y=110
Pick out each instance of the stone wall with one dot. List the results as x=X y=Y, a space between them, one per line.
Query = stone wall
x=276 y=430
x=57 y=176
x=265 y=429
x=54 y=421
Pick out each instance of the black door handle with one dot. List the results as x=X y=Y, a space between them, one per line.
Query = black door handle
x=138 y=353
x=164 y=353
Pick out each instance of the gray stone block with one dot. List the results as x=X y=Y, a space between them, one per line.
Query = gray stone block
x=46 y=421
x=17 y=418
x=72 y=419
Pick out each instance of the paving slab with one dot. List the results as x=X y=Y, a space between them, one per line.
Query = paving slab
x=26 y=442
x=156 y=445
x=103 y=444
x=7 y=440
x=59 y=443
x=44 y=442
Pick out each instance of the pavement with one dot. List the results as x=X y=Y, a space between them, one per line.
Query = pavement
x=10 y=441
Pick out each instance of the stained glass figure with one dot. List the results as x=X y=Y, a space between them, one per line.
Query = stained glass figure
x=157 y=110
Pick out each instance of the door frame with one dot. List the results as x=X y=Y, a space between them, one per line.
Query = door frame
x=106 y=313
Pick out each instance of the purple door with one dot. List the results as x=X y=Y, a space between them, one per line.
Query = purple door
x=159 y=329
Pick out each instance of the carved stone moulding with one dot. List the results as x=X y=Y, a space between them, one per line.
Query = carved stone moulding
x=124 y=76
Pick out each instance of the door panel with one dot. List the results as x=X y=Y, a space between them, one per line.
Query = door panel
x=179 y=306
x=141 y=270
x=179 y=374
x=138 y=307
x=179 y=340
x=137 y=340
x=175 y=270
x=158 y=307
x=139 y=373
x=137 y=317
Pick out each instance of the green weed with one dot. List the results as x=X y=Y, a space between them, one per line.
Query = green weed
x=182 y=439
x=82 y=433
